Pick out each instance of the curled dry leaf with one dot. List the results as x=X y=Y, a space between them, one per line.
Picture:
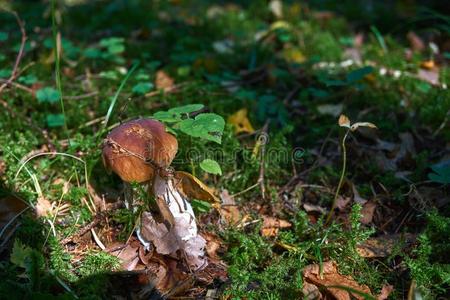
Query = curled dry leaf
x=386 y=290
x=344 y=121
x=272 y=225
x=338 y=286
x=191 y=187
x=43 y=207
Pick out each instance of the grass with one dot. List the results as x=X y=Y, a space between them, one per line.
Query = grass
x=234 y=58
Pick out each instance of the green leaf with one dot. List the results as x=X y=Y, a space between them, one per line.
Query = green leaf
x=109 y=75
x=47 y=94
x=200 y=206
x=424 y=87
x=116 y=48
x=5 y=73
x=165 y=116
x=142 y=88
x=441 y=172
x=3 y=36
x=207 y=126
x=55 y=120
x=28 y=79
x=107 y=42
x=359 y=74
x=211 y=166
x=92 y=53
x=19 y=254
x=186 y=109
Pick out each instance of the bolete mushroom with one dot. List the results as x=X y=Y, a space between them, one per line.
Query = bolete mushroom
x=142 y=151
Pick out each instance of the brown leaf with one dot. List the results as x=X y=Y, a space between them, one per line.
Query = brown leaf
x=342 y=202
x=193 y=188
x=367 y=212
x=163 y=81
x=43 y=207
x=382 y=246
x=344 y=121
x=170 y=279
x=386 y=290
x=213 y=244
x=231 y=214
x=332 y=282
x=415 y=41
x=271 y=225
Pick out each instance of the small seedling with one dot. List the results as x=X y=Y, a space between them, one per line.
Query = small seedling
x=344 y=122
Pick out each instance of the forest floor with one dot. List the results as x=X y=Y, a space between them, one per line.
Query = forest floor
x=308 y=207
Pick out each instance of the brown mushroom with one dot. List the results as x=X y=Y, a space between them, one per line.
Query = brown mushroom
x=134 y=150
x=142 y=151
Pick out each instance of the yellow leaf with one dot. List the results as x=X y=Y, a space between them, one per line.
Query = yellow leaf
x=241 y=122
x=293 y=54
x=193 y=188
x=344 y=121
x=428 y=64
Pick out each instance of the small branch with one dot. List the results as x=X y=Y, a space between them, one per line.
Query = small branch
x=19 y=55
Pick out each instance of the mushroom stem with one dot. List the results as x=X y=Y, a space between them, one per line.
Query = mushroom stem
x=178 y=229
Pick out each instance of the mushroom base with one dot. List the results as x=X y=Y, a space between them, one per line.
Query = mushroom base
x=177 y=230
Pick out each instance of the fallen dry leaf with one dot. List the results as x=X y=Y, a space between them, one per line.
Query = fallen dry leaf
x=191 y=187
x=415 y=42
x=241 y=122
x=386 y=290
x=271 y=226
x=213 y=244
x=430 y=76
x=332 y=283
x=231 y=214
x=344 y=121
x=382 y=246
x=163 y=81
x=43 y=207
x=367 y=212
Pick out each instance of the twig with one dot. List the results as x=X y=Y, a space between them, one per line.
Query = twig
x=97 y=219
x=19 y=55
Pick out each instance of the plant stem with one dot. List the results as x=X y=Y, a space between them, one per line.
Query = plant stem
x=341 y=179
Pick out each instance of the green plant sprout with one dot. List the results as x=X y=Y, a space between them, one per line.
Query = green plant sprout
x=206 y=126
x=344 y=121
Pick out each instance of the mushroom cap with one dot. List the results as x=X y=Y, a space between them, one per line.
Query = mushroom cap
x=134 y=149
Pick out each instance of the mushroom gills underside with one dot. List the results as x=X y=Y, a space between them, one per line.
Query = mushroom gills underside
x=178 y=230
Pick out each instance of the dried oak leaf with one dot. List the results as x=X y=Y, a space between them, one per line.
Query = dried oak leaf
x=332 y=283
